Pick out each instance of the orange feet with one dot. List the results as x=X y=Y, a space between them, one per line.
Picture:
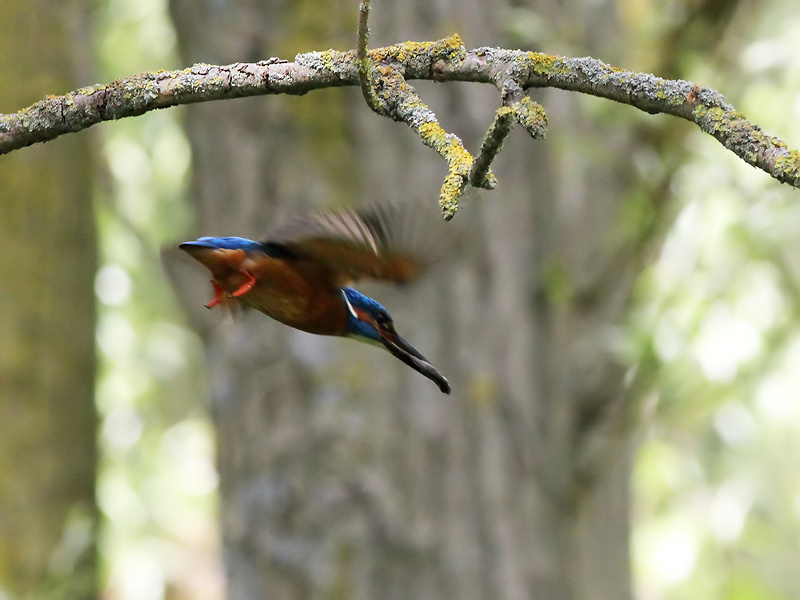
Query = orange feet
x=217 y=295
x=240 y=291
x=246 y=286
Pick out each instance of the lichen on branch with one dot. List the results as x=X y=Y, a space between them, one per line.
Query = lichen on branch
x=387 y=92
x=440 y=60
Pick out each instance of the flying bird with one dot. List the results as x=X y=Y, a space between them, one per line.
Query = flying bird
x=301 y=274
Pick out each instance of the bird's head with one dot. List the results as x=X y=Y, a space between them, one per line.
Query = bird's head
x=364 y=316
x=368 y=321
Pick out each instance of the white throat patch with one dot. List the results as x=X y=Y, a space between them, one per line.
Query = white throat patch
x=349 y=306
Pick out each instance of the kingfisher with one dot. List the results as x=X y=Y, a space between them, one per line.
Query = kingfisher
x=300 y=275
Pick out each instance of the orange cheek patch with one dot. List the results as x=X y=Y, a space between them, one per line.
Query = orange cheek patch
x=363 y=316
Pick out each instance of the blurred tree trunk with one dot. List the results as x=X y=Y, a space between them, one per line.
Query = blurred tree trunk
x=47 y=265
x=343 y=473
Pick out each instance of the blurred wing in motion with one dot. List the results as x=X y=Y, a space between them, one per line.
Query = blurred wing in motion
x=385 y=242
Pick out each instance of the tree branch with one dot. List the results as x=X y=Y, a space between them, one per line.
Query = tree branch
x=513 y=71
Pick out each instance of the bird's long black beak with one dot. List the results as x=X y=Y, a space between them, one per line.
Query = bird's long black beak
x=409 y=355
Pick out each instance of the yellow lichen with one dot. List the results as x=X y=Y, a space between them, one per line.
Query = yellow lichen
x=327 y=58
x=531 y=115
x=716 y=113
x=88 y=90
x=438 y=48
x=432 y=134
x=541 y=64
x=788 y=167
x=448 y=196
x=460 y=163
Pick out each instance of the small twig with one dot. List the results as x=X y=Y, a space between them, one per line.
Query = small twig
x=480 y=176
x=531 y=116
x=364 y=62
x=516 y=107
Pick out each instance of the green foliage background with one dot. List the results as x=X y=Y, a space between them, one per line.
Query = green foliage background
x=717 y=500
x=717 y=497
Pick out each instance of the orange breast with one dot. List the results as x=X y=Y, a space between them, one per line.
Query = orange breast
x=295 y=292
